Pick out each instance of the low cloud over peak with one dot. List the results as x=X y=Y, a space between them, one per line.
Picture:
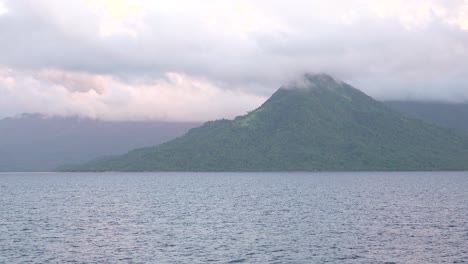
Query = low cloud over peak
x=202 y=60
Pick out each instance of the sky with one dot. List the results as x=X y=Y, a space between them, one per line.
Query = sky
x=209 y=59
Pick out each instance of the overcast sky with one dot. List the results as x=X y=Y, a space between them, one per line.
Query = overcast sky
x=208 y=59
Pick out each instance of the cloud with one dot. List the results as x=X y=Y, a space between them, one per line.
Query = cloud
x=244 y=49
x=461 y=17
x=75 y=82
x=3 y=9
x=117 y=16
x=175 y=97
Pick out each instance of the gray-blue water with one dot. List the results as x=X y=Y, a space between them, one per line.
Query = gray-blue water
x=234 y=218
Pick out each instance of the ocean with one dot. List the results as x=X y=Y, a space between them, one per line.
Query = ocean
x=339 y=217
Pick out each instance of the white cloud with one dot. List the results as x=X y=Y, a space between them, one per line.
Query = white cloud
x=104 y=54
x=174 y=97
x=3 y=8
x=118 y=16
x=460 y=17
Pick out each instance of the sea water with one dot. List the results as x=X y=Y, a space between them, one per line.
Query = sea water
x=370 y=217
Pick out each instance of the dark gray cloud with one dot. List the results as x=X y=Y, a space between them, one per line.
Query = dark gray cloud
x=390 y=49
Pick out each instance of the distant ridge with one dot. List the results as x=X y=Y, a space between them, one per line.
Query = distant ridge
x=315 y=123
x=33 y=142
x=452 y=115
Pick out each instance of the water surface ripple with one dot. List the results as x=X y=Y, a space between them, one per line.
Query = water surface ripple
x=234 y=218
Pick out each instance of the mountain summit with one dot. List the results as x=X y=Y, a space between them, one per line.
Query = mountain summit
x=315 y=123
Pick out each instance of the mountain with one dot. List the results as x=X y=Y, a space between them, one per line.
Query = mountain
x=317 y=123
x=33 y=142
x=443 y=114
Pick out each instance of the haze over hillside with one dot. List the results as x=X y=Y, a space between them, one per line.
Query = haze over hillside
x=36 y=143
x=452 y=115
x=317 y=123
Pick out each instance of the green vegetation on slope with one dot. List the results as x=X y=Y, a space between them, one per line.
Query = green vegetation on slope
x=323 y=125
